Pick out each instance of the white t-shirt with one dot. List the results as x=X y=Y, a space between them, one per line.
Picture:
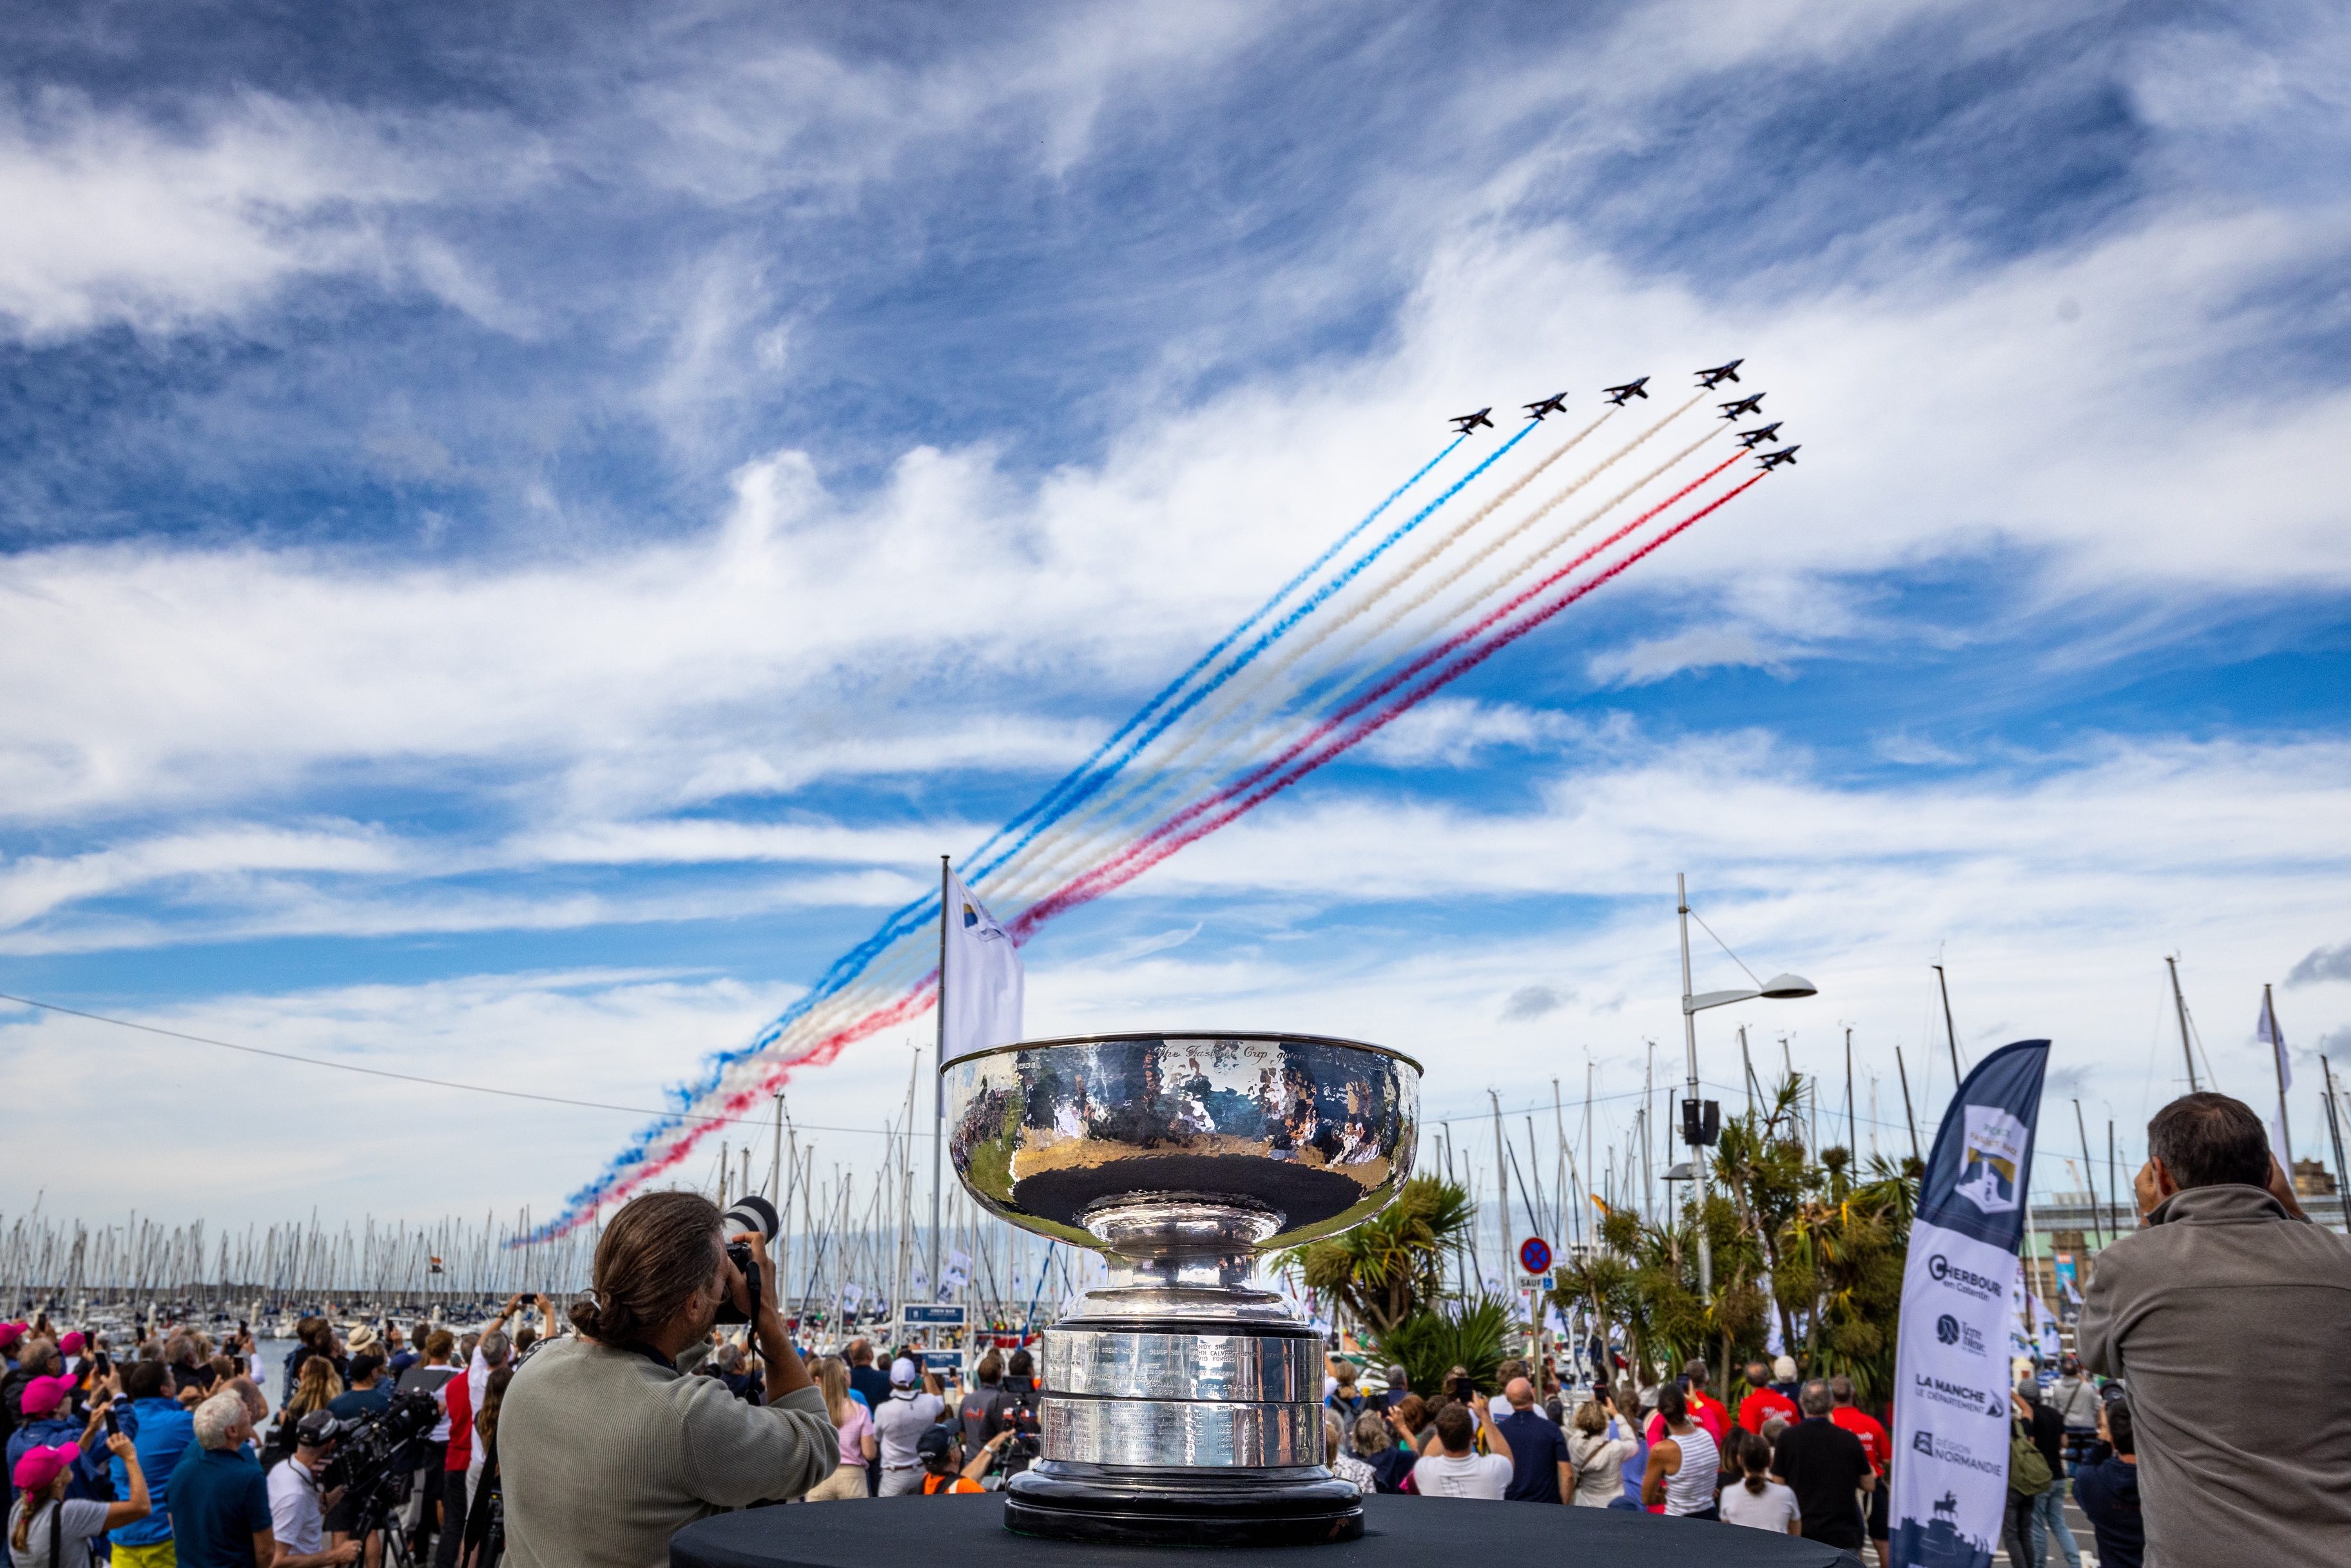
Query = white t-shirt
x=1483 y=1476
x=901 y=1422
x=1774 y=1510
x=295 y=1517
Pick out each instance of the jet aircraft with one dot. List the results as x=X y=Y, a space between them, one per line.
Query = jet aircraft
x=1553 y=404
x=1630 y=389
x=1752 y=439
x=1714 y=378
x=1785 y=455
x=1463 y=423
x=1742 y=407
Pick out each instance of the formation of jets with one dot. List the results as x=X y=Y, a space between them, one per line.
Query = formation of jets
x=1708 y=378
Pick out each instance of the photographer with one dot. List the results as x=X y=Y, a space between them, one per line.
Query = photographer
x=607 y=1448
x=298 y=1508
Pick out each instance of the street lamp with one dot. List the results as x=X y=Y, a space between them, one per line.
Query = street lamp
x=1779 y=987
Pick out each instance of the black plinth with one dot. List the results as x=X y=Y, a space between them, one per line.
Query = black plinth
x=1399 y=1532
x=1057 y=1501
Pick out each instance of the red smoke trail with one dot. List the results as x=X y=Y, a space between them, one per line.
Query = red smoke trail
x=1051 y=905
x=1143 y=856
x=913 y=1004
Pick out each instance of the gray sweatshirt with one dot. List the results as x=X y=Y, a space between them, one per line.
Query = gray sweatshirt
x=605 y=1454
x=2229 y=1320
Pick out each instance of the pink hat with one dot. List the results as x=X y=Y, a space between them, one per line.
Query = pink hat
x=41 y=1466
x=43 y=1395
x=10 y=1333
x=71 y=1342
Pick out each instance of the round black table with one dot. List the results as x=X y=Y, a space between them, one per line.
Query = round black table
x=1399 y=1532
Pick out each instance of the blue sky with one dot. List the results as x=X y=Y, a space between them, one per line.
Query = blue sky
x=525 y=536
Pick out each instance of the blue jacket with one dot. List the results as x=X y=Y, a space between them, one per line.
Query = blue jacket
x=48 y=1432
x=161 y=1430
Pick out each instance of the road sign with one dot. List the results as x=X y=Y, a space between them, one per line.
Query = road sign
x=1534 y=1255
x=941 y=1315
x=1535 y=1282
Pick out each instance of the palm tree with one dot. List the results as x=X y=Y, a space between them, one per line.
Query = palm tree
x=1387 y=1268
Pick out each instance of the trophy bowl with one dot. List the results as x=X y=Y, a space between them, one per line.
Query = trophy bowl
x=1181 y=1404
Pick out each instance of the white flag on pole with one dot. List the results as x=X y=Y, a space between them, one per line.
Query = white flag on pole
x=982 y=979
x=2267 y=1032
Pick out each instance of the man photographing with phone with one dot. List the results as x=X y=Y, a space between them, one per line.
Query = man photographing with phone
x=607 y=1447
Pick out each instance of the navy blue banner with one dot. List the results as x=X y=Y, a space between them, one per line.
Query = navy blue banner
x=1984 y=1154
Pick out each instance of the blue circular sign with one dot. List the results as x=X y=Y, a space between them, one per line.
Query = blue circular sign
x=1535 y=1254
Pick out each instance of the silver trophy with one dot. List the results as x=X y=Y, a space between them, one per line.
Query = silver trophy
x=1181 y=1404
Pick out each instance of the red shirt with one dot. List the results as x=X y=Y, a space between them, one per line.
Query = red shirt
x=1762 y=1404
x=1871 y=1432
x=460 y=1395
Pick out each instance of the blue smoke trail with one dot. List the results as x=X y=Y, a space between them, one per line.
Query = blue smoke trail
x=1050 y=807
x=1050 y=799
x=1265 y=640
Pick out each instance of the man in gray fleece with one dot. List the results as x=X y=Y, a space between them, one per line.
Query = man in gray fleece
x=2227 y=1285
x=607 y=1448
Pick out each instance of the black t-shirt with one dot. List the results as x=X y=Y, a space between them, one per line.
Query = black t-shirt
x=1824 y=1464
x=2049 y=1436
x=1538 y=1448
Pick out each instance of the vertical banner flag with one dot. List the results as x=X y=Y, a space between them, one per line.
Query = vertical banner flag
x=2269 y=1034
x=1952 y=1377
x=980 y=987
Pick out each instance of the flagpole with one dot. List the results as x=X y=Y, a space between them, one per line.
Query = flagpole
x=2334 y=1133
x=939 y=1059
x=2277 y=1062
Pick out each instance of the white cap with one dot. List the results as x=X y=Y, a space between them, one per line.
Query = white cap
x=903 y=1373
x=1784 y=1368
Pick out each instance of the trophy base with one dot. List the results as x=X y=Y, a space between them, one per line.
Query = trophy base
x=1059 y=1500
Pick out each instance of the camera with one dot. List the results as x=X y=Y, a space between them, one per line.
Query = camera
x=373 y=1461
x=750 y=1213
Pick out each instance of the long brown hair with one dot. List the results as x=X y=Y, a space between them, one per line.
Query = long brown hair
x=657 y=1255
x=494 y=1395
x=20 y=1539
x=318 y=1387
x=832 y=1376
x=1754 y=1455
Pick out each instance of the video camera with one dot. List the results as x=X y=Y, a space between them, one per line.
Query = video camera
x=750 y=1213
x=372 y=1459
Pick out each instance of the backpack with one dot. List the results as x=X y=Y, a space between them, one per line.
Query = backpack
x=2028 y=1467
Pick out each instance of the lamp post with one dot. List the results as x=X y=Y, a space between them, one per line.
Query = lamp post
x=1778 y=987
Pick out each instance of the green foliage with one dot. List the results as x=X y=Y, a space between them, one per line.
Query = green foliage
x=1430 y=1343
x=1795 y=1235
x=1386 y=1267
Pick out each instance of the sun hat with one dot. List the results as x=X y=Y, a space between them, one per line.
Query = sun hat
x=39 y=1466
x=43 y=1395
x=904 y=1373
x=363 y=1338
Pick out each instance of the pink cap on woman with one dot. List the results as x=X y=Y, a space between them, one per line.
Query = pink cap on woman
x=41 y=1466
x=10 y=1333
x=71 y=1342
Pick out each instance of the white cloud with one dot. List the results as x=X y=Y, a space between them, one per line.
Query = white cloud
x=1699 y=648
x=115 y=220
